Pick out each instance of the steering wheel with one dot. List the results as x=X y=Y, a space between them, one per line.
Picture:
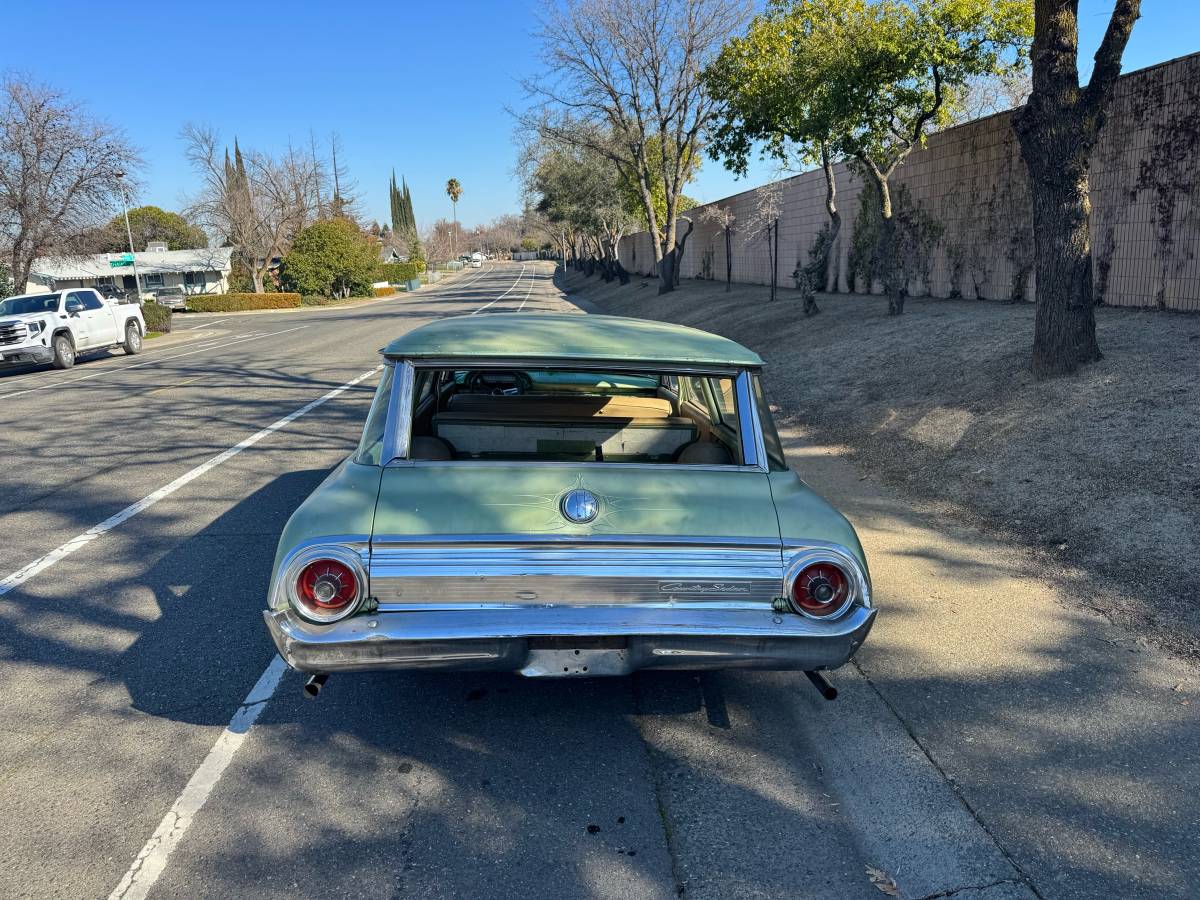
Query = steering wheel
x=492 y=382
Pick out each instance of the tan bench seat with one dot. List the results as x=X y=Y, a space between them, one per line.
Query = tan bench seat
x=618 y=437
x=533 y=406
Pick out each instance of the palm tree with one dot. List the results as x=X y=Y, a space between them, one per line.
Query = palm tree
x=454 y=191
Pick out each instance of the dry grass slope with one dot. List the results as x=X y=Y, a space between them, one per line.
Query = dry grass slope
x=1098 y=474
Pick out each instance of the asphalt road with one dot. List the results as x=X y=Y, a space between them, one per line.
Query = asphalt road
x=152 y=745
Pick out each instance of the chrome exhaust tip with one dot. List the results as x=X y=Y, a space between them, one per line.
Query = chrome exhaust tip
x=313 y=686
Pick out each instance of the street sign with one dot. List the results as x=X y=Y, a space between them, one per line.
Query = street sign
x=125 y=259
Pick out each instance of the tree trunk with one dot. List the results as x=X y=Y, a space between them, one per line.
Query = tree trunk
x=1064 y=334
x=1057 y=129
x=728 y=259
x=887 y=267
x=669 y=261
x=835 y=222
x=680 y=244
x=256 y=275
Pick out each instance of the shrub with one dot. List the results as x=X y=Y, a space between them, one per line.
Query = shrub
x=239 y=302
x=397 y=273
x=330 y=258
x=158 y=318
x=384 y=292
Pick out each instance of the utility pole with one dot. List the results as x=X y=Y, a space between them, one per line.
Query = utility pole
x=137 y=281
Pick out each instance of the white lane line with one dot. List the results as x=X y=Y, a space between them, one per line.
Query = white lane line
x=532 y=279
x=55 y=556
x=505 y=294
x=149 y=362
x=151 y=862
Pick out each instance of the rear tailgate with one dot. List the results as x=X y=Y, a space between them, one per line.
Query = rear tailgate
x=494 y=534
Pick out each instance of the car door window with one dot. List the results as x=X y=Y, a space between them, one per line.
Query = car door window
x=90 y=300
x=73 y=303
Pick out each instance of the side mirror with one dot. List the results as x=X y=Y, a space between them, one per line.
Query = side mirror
x=74 y=307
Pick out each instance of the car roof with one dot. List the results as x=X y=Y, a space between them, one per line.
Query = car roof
x=558 y=337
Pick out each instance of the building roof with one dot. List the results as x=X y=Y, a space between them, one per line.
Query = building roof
x=565 y=337
x=162 y=262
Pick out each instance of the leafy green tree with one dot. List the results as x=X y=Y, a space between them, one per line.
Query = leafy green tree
x=149 y=223
x=330 y=258
x=1057 y=129
x=864 y=80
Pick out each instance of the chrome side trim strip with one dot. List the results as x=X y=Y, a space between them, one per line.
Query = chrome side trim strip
x=383 y=541
x=574 y=575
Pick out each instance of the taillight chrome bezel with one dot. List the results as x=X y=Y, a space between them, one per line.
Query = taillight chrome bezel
x=860 y=588
x=290 y=576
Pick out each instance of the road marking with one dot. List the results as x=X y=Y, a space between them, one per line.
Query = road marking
x=505 y=294
x=152 y=861
x=527 y=293
x=55 y=556
x=149 y=362
x=205 y=324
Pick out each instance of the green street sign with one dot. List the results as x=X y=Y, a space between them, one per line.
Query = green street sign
x=125 y=259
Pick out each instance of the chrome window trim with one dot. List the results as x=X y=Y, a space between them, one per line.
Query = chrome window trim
x=398 y=429
x=542 y=463
x=751 y=438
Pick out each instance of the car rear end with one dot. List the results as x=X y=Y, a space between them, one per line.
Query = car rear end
x=591 y=540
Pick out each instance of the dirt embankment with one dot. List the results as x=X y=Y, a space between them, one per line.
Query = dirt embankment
x=1098 y=474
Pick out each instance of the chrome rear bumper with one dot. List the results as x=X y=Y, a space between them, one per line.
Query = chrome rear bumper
x=560 y=641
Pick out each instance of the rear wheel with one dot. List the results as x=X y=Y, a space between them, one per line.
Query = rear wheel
x=64 y=352
x=133 y=339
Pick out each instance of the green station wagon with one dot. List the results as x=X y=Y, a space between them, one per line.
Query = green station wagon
x=567 y=495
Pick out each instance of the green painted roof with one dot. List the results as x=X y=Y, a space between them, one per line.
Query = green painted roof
x=544 y=336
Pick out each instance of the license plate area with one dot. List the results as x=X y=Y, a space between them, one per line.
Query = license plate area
x=570 y=657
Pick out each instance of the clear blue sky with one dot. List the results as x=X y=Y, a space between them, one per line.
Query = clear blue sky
x=418 y=86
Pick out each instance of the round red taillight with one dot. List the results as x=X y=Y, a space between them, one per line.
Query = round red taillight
x=820 y=589
x=325 y=587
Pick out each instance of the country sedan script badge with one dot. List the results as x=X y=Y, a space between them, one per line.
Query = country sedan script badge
x=702 y=587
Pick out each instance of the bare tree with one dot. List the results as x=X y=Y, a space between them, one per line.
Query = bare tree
x=724 y=218
x=439 y=241
x=986 y=95
x=60 y=173
x=764 y=224
x=256 y=202
x=1057 y=130
x=631 y=69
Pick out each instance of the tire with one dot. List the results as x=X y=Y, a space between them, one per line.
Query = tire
x=64 y=351
x=133 y=339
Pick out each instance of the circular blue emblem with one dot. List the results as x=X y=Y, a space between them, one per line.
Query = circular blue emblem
x=580 y=505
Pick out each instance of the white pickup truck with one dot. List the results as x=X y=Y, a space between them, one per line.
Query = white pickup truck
x=59 y=326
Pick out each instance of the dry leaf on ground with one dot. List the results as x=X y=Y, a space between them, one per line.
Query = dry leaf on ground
x=883 y=881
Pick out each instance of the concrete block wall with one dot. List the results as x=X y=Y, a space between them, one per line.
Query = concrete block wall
x=1145 y=190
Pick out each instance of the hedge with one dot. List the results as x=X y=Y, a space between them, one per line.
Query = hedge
x=398 y=272
x=158 y=318
x=384 y=292
x=239 y=302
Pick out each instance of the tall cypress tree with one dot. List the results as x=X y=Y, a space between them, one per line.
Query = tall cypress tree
x=397 y=212
x=409 y=215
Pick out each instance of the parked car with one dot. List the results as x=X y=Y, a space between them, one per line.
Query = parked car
x=171 y=297
x=57 y=327
x=561 y=495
